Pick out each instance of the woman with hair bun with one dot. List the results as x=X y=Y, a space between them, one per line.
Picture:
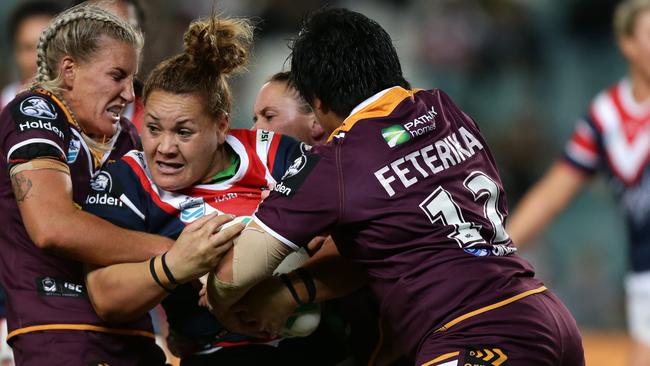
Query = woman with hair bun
x=192 y=164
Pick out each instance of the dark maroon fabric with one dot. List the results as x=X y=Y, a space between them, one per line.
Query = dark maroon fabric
x=80 y=348
x=537 y=330
x=424 y=267
x=43 y=288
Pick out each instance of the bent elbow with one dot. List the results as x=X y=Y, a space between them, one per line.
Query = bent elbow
x=111 y=314
x=45 y=240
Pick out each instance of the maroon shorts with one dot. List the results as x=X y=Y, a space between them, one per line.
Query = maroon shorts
x=84 y=348
x=536 y=330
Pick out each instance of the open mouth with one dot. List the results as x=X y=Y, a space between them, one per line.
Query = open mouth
x=169 y=167
x=115 y=112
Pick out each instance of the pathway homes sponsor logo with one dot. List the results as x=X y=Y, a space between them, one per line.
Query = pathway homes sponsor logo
x=395 y=135
x=399 y=134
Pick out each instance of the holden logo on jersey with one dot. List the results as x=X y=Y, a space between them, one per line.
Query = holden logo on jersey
x=102 y=182
x=73 y=150
x=295 y=176
x=295 y=167
x=38 y=107
x=395 y=135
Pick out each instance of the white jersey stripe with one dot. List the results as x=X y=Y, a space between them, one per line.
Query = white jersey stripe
x=275 y=234
x=130 y=205
x=581 y=155
x=33 y=141
x=626 y=157
x=262 y=146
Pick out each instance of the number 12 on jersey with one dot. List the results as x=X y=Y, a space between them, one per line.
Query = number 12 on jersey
x=440 y=206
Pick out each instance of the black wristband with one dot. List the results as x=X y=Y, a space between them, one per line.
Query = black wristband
x=152 y=269
x=306 y=278
x=167 y=271
x=287 y=282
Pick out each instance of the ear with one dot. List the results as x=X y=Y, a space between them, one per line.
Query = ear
x=317 y=132
x=68 y=69
x=317 y=105
x=223 y=125
x=628 y=47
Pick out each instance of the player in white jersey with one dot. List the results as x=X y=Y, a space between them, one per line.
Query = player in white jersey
x=613 y=138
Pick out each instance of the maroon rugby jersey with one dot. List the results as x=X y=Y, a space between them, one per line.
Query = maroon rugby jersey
x=408 y=188
x=45 y=291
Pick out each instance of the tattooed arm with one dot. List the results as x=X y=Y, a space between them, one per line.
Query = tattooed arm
x=55 y=223
x=21 y=186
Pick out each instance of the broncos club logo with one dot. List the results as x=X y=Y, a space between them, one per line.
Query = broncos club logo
x=38 y=107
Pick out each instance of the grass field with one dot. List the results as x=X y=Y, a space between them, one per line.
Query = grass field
x=605 y=348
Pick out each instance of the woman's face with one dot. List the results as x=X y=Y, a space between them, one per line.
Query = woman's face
x=181 y=140
x=636 y=47
x=99 y=89
x=276 y=109
x=25 y=43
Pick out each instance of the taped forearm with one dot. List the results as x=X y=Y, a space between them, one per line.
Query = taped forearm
x=255 y=256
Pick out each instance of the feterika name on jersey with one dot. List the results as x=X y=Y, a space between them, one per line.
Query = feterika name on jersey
x=429 y=160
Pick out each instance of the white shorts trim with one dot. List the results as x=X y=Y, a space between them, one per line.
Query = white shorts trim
x=637 y=288
x=6 y=354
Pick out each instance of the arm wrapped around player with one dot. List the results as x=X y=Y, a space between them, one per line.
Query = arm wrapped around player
x=254 y=257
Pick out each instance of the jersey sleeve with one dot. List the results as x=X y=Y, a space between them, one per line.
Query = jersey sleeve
x=34 y=126
x=287 y=150
x=306 y=202
x=116 y=195
x=581 y=151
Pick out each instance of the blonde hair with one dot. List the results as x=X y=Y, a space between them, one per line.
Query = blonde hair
x=626 y=14
x=76 y=32
x=215 y=48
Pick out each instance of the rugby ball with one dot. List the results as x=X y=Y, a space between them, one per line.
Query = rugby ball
x=305 y=318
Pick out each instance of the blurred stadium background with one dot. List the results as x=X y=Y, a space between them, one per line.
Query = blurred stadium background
x=524 y=69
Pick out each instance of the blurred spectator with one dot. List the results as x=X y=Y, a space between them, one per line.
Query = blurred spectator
x=613 y=138
x=24 y=28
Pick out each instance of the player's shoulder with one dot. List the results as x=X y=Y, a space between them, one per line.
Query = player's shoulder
x=611 y=94
x=251 y=137
x=35 y=110
x=131 y=164
x=133 y=160
x=120 y=173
